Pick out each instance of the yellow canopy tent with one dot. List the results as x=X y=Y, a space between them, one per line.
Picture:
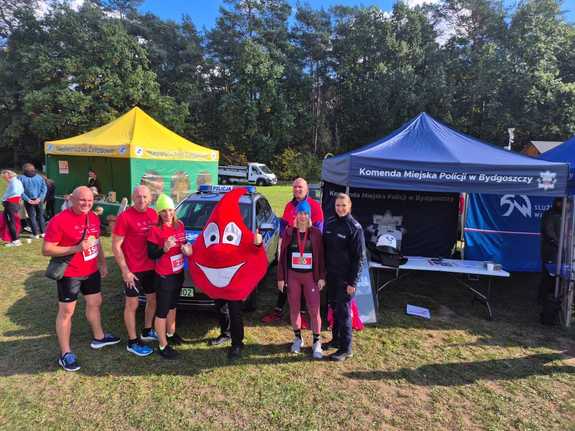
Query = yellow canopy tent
x=133 y=149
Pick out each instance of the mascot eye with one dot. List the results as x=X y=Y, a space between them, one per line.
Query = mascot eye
x=232 y=234
x=211 y=234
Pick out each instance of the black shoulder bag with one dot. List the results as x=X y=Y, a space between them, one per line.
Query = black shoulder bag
x=58 y=264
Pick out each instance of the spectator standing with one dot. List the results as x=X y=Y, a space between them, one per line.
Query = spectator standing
x=11 y=202
x=75 y=232
x=300 y=193
x=50 y=198
x=130 y=250
x=344 y=255
x=94 y=182
x=33 y=196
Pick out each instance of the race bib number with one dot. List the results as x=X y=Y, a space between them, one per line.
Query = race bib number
x=177 y=262
x=91 y=252
x=304 y=261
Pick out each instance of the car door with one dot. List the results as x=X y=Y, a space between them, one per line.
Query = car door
x=265 y=215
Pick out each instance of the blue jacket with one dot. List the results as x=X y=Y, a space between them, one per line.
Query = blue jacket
x=34 y=187
x=14 y=189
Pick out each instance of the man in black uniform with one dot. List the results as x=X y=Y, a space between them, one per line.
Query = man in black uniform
x=344 y=255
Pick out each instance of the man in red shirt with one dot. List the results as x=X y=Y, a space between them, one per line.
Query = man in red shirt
x=300 y=193
x=130 y=250
x=75 y=232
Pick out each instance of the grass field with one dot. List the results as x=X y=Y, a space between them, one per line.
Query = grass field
x=457 y=371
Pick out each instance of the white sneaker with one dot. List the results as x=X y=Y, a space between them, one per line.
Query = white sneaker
x=36 y=236
x=16 y=243
x=317 y=353
x=42 y=235
x=297 y=345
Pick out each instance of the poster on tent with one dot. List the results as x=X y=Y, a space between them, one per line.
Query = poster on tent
x=505 y=229
x=427 y=221
x=176 y=178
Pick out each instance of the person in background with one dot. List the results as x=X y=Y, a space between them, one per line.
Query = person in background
x=130 y=250
x=33 y=196
x=550 y=236
x=302 y=264
x=93 y=181
x=11 y=202
x=50 y=198
x=166 y=244
x=300 y=193
x=75 y=232
x=344 y=255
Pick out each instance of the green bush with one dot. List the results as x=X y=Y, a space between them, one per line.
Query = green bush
x=291 y=164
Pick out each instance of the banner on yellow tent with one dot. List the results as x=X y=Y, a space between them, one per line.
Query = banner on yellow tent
x=125 y=151
x=119 y=151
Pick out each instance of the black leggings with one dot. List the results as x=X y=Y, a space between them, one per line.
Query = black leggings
x=167 y=293
x=10 y=212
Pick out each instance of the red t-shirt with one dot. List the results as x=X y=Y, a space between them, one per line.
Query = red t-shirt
x=171 y=262
x=66 y=229
x=134 y=226
x=288 y=217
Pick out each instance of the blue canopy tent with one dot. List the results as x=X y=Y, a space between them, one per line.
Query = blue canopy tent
x=564 y=153
x=413 y=177
x=427 y=155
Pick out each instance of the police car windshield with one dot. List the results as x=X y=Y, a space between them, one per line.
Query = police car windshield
x=195 y=214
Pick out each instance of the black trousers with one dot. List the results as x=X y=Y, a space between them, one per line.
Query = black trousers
x=340 y=302
x=10 y=212
x=36 y=217
x=231 y=321
x=49 y=213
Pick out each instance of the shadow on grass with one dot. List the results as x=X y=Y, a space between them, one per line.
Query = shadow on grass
x=32 y=346
x=467 y=373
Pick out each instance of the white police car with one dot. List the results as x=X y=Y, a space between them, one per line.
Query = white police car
x=194 y=212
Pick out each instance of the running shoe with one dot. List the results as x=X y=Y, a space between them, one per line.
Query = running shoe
x=108 y=340
x=139 y=349
x=221 y=339
x=297 y=345
x=149 y=335
x=69 y=362
x=175 y=340
x=167 y=352
x=317 y=353
x=340 y=355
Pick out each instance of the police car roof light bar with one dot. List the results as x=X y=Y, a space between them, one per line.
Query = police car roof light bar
x=215 y=188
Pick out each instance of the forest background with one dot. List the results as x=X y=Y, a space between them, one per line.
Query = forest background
x=285 y=85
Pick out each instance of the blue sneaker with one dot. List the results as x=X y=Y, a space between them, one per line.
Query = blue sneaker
x=108 y=340
x=69 y=362
x=139 y=349
x=149 y=335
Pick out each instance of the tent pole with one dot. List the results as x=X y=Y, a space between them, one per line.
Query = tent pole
x=463 y=220
x=560 y=249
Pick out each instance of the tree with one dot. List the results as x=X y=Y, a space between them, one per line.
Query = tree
x=72 y=71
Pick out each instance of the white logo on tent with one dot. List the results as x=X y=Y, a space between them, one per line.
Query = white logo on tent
x=511 y=201
x=547 y=180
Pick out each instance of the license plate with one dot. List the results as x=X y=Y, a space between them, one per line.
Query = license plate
x=188 y=292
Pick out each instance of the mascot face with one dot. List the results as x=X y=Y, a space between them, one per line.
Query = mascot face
x=225 y=263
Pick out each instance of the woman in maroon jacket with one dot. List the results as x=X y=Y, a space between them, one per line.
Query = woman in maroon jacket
x=301 y=262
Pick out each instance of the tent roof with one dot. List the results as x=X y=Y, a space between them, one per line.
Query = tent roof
x=564 y=153
x=543 y=146
x=133 y=135
x=426 y=155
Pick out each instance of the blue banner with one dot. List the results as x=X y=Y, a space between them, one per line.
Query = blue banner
x=506 y=230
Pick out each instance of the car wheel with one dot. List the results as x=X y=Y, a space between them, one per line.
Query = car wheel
x=260 y=182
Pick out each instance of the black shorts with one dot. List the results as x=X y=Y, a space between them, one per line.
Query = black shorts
x=168 y=289
x=70 y=287
x=145 y=283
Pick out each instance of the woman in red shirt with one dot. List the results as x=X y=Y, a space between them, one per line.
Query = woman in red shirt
x=167 y=246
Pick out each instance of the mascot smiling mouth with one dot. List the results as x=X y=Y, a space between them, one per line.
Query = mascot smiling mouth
x=220 y=277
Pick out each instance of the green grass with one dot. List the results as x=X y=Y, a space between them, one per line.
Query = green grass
x=456 y=371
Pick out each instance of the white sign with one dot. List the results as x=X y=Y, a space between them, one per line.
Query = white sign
x=63 y=168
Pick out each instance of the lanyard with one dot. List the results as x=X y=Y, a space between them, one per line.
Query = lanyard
x=300 y=244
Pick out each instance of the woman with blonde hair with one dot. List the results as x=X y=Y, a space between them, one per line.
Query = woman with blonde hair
x=301 y=262
x=11 y=202
x=167 y=247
